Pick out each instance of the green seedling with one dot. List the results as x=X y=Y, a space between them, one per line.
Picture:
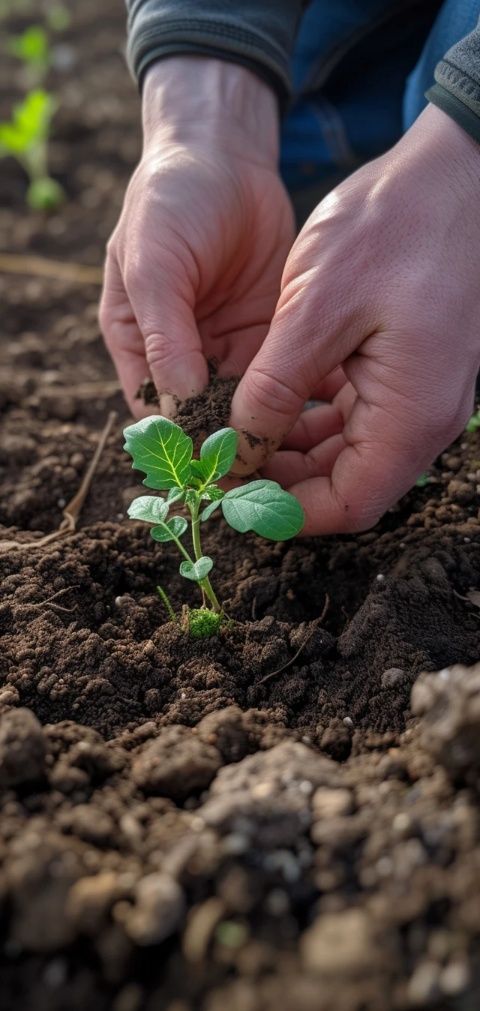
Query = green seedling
x=16 y=7
x=164 y=452
x=58 y=17
x=25 y=137
x=32 y=48
x=474 y=424
x=422 y=481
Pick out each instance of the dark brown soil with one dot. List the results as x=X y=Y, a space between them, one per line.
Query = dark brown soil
x=206 y=412
x=256 y=821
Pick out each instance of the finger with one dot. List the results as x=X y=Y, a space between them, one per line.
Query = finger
x=376 y=466
x=164 y=308
x=292 y=365
x=290 y=468
x=328 y=388
x=313 y=427
x=122 y=337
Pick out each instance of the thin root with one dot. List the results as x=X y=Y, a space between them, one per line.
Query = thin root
x=73 y=508
x=50 y=601
x=39 y=266
x=307 y=638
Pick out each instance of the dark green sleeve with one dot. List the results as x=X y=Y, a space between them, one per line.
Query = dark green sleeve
x=259 y=34
x=457 y=83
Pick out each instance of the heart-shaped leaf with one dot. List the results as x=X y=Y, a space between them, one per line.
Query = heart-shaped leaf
x=174 y=527
x=159 y=448
x=196 y=571
x=150 y=508
x=218 y=453
x=265 y=508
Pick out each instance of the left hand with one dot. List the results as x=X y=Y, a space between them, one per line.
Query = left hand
x=379 y=314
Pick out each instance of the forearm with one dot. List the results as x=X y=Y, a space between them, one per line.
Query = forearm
x=257 y=34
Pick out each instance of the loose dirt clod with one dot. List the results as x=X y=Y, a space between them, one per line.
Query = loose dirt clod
x=22 y=749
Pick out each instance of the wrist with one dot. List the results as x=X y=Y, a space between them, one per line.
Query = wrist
x=195 y=97
x=451 y=150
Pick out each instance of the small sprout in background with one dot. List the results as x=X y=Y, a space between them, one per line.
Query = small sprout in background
x=33 y=49
x=25 y=137
x=231 y=934
x=163 y=451
x=58 y=17
x=474 y=424
x=422 y=481
x=17 y=7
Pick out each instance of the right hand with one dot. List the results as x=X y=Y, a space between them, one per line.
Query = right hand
x=193 y=268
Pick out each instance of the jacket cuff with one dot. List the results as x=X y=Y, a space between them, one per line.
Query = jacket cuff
x=456 y=109
x=278 y=84
x=257 y=36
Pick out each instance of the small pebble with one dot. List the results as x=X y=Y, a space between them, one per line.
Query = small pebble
x=423 y=983
x=454 y=978
x=392 y=677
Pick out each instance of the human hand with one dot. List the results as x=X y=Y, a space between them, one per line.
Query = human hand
x=193 y=268
x=379 y=315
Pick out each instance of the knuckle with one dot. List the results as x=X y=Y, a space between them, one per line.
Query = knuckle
x=161 y=350
x=272 y=393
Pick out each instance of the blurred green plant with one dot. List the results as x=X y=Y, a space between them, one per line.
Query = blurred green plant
x=422 y=481
x=25 y=137
x=57 y=17
x=8 y=8
x=474 y=424
x=33 y=49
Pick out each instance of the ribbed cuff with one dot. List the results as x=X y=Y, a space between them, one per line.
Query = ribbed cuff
x=456 y=109
x=164 y=50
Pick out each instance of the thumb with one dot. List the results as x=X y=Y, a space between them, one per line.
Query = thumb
x=267 y=403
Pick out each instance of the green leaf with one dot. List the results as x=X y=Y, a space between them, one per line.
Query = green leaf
x=218 y=453
x=45 y=194
x=191 y=497
x=265 y=508
x=174 y=495
x=422 y=481
x=159 y=448
x=150 y=508
x=474 y=424
x=58 y=17
x=31 y=46
x=174 y=527
x=196 y=571
x=29 y=125
x=212 y=493
x=207 y=512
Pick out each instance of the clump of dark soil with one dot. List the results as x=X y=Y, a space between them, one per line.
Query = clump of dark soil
x=255 y=821
x=202 y=414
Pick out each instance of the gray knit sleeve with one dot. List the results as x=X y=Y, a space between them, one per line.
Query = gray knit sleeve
x=256 y=33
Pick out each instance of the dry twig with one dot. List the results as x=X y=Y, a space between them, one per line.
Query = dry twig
x=307 y=638
x=73 y=508
x=38 y=266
